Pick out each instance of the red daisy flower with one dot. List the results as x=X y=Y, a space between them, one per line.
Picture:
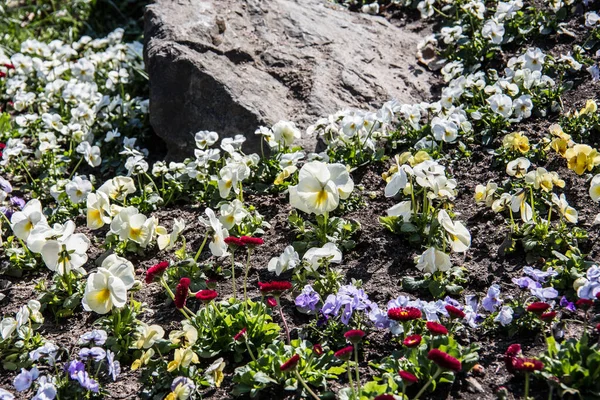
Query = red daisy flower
x=385 y=397
x=251 y=241
x=548 y=316
x=240 y=335
x=455 y=312
x=2 y=74
x=206 y=295
x=233 y=241
x=528 y=364
x=271 y=302
x=444 y=360
x=510 y=355
x=156 y=270
x=412 y=340
x=513 y=350
x=404 y=314
x=538 y=307
x=408 y=378
x=345 y=353
x=9 y=66
x=598 y=295
x=318 y=349
x=584 y=304
x=274 y=287
x=181 y=292
x=290 y=364
x=354 y=335
x=436 y=328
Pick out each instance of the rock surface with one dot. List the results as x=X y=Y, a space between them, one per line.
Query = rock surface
x=232 y=65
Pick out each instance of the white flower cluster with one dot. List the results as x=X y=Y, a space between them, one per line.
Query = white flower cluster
x=68 y=95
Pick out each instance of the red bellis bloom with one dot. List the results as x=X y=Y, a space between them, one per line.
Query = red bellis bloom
x=404 y=314
x=444 y=360
x=290 y=364
x=436 y=328
x=548 y=316
x=412 y=340
x=510 y=356
x=274 y=287
x=206 y=295
x=241 y=334
x=233 y=241
x=528 y=365
x=385 y=397
x=181 y=292
x=584 y=304
x=408 y=378
x=251 y=241
x=354 y=335
x=455 y=312
x=345 y=353
x=155 y=271
x=538 y=307
x=318 y=349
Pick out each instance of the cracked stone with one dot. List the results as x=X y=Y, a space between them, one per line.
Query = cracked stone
x=231 y=66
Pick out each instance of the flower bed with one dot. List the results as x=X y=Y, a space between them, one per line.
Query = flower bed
x=438 y=249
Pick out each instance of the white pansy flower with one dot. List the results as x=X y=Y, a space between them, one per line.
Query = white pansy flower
x=98 y=210
x=66 y=254
x=433 y=260
x=458 y=235
x=217 y=244
x=320 y=187
x=22 y=222
x=314 y=255
x=77 y=189
x=289 y=259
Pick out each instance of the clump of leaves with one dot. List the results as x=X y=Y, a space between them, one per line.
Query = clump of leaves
x=314 y=368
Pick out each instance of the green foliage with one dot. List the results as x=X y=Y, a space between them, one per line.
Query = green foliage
x=121 y=325
x=63 y=295
x=326 y=229
x=572 y=366
x=415 y=361
x=218 y=323
x=439 y=284
x=265 y=371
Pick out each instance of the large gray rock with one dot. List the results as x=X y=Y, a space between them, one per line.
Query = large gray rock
x=232 y=65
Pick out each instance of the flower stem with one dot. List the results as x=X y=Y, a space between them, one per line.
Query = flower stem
x=433 y=378
x=356 y=368
x=285 y=325
x=350 y=381
x=172 y=295
x=250 y=350
x=233 y=276
x=526 y=385
x=246 y=277
x=201 y=248
x=308 y=389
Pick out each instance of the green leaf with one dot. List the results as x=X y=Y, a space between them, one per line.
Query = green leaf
x=336 y=370
x=412 y=284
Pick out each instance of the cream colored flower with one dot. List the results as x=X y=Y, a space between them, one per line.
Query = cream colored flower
x=568 y=212
x=595 y=188
x=458 y=235
x=518 y=168
x=320 y=187
x=433 y=260
x=148 y=335
x=98 y=210
x=22 y=222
